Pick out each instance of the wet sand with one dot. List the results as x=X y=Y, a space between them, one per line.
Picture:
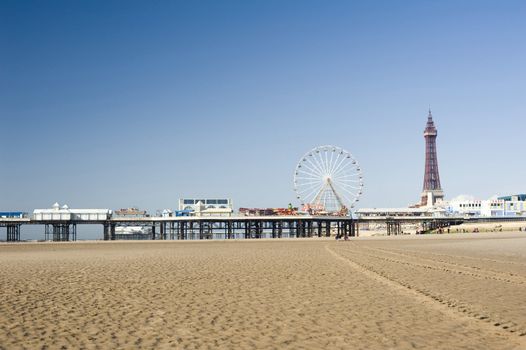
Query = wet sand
x=464 y=291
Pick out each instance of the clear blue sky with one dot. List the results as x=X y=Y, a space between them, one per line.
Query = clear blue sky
x=118 y=103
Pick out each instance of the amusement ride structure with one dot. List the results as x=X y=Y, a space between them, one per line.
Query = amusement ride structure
x=328 y=180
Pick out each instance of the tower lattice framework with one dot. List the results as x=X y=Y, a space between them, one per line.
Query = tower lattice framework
x=432 y=190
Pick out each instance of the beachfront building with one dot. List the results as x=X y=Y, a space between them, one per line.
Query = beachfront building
x=12 y=214
x=130 y=213
x=390 y=212
x=207 y=207
x=507 y=206
x=412 y=212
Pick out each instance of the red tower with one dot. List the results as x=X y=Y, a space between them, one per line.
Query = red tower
x=432 y=191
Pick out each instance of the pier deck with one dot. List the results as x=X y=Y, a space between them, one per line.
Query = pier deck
x=193 y=227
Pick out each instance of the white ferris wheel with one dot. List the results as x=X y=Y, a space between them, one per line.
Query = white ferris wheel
x=328 y=179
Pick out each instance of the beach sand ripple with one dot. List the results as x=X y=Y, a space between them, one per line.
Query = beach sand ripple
x=455 y=292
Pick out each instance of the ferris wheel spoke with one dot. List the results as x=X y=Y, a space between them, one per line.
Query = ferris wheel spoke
x=349 y=200
x=349 y=191
x=343 y=165
x=311 y=184
x=348 y=181
x=303 y=181
x=349 y=186
x=346 y=167
x=306 y=179
x=316 y=194
x=337 y=161
x=354 y=191
x=319 y=171
x=308 y=192
x=340 y=162
x=308 y=182
x=330 y=156
x=356 y=174
x=311 y=169
x=331 y=160
x=307 y=186
x=322 y=162
x=316 y=164
x=327 y=163
x=307 y=160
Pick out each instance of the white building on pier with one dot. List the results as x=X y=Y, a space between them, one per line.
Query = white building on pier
x=207 y=207
x=64 y=213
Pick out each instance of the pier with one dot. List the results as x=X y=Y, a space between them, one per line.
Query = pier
x=195 y=228
x=64 y=228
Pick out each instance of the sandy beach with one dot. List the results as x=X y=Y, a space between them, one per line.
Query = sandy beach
x=462 y=291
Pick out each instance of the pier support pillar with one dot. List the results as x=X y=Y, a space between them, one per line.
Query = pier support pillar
x=247 y=229
x=310 y=229
x=47 y=232
x=112 y=232
x=163 y=231
x=13 y=233
x=61 y=232
x=73 y=234
x=172 y=230
x=181 y=233
x=229 y=229
x=106 y=232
